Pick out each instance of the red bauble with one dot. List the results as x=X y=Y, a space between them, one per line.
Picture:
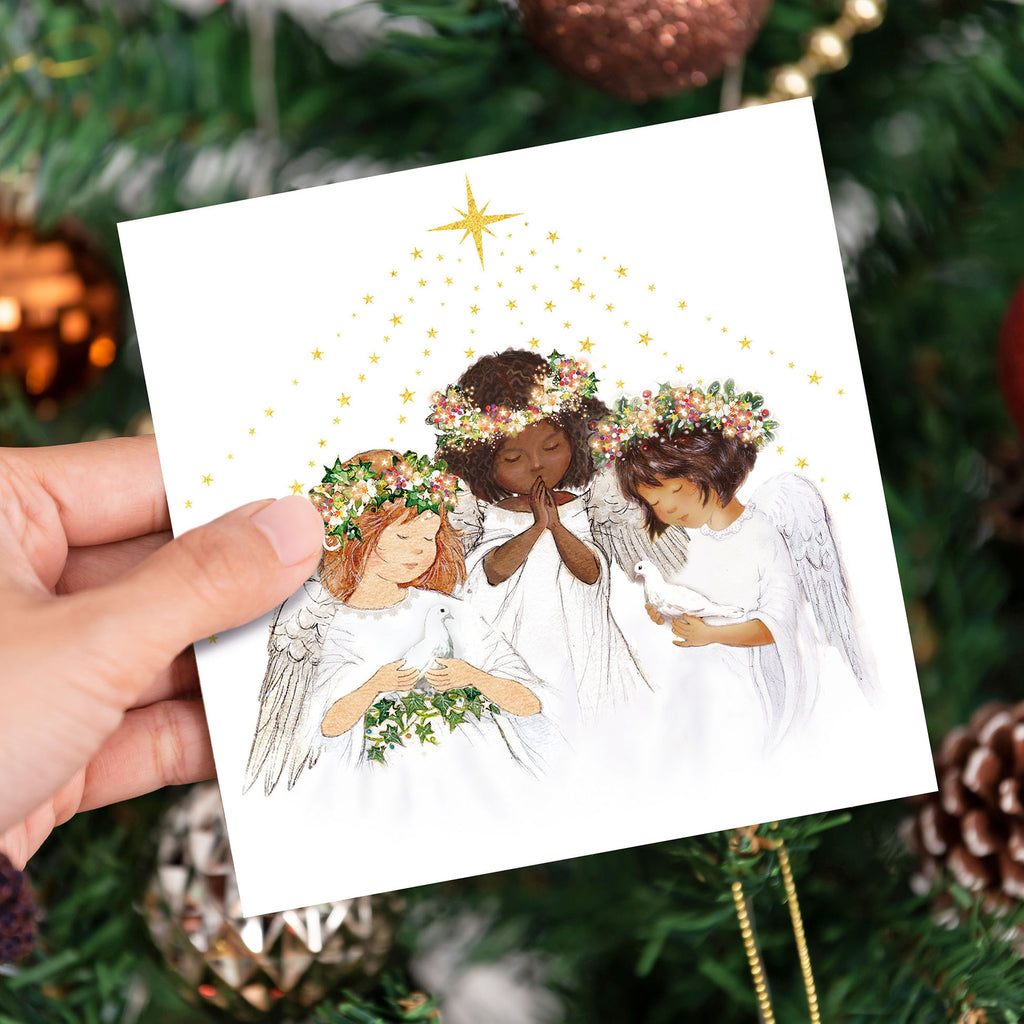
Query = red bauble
x=1011 y=358
x=644 y=48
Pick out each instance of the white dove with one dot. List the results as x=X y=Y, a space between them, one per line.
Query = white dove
x=436 y=643
x=673 y=600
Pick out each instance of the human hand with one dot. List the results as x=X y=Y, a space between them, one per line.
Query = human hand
x=692 y=631
x=453 y=675
x=392 y=677
x=96 y=604
x=538 y=506
x=654 y=615
x=552 y=507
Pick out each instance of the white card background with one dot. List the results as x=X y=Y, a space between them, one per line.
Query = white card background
x=281 y=332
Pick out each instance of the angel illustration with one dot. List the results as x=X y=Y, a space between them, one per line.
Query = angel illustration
x=540 y=526
x=682 y=454
x=374 y=660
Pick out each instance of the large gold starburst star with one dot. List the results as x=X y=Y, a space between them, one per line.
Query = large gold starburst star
x=474 y=222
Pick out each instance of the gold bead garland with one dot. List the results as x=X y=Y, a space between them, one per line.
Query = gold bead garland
x=798 y=927
x=827 y=49
x=760 y=979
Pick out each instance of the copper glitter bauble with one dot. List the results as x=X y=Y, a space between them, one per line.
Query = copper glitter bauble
x=279 y=964
x=644 y=48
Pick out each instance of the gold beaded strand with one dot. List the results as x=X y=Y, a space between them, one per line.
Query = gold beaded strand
x=760 y=979
x=798 y=927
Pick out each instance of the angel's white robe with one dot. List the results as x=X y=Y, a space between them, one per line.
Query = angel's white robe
x=562 y=626
x=748 y=696
x=360 y=641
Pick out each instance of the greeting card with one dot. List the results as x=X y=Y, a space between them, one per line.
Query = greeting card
x=606 y=556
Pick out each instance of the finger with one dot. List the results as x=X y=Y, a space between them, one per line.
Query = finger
x=165 y=744
x=101 y=563
x=409 y=674
x=210 y=579
x=679 y=643
x=179 y=681
x=103 y=491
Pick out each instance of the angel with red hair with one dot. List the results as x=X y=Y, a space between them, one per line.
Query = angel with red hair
x=374 y=659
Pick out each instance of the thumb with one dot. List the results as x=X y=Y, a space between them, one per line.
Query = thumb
x=212 y=578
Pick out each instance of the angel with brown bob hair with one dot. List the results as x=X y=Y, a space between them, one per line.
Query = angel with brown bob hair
x=517 y=429
x=374 y=660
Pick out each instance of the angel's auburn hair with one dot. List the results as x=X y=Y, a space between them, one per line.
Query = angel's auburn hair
x=342 y=571
x=715 y=463
x=508 y=379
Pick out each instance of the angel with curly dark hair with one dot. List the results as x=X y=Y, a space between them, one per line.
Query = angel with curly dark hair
x=517 y=427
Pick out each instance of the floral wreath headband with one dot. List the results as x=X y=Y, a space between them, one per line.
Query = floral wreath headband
x=350 y=489
x=673 y=411
x=563 y=386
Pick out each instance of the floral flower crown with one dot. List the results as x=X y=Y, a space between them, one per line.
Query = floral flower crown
x=459 y=422
x=681 y=410
x=349 y=489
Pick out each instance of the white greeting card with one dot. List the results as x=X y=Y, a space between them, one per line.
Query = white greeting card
x=613 y=565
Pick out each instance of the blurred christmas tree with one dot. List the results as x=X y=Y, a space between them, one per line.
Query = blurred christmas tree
x=110 y=111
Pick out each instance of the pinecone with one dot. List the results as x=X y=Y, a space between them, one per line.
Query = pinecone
x=17 y=913
x=974 y=826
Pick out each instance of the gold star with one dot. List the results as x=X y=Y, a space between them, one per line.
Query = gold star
x=418 y=372
x=252 y=430
x=406 y=395
x=268 y=412
x=395 y=320
x=552 y=237
x=322 y=443
x=476 y=287
x=846 y=497
x=295 y=382
x=422 y=282
x=344 y=400
x=791 y=365
x=440 y=258
x=681 y=304
x=534 y=342
x=708 y=319
x=188 y=503
x=814 y=378
x=725 y=329
x=387 y=337
x=411 y=299
x=374 y=358
x=801 y=463
x=586 y=346
x=533 y=252
x=566 y=324
x=336 y=420
x=620 y=384
x=401 y=419
x=556 y=266
x=362 y=376
x=625 y=323
x=780 y=450
x=650 y=287
x=745 y=342
x=416 y=254
x=470 y=353
x=519 y=270
x=840 y=392
x=394 y=273
x=447 y=280
x=474 y=309
x=621 y=271
x=592 y=296
x=679 y=367
x=576 y=285
x=311 y=463
x=549 y=306
x=207 y=479
x=213 y=638
x=316 y=354
x=609 y=307
x=368 y=298
x=426 y=351
x=511 y=303
x=474 y=222
x=296 y=487
x=644 y=338
x=230 y=456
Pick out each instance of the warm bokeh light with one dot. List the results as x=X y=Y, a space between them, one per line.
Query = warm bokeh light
x=41 y=369
x=102 y=351
x=10 y=313
x=74 y=325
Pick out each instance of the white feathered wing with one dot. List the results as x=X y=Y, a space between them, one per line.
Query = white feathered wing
x=618 y=526
x=797 y=510
x=288 y=737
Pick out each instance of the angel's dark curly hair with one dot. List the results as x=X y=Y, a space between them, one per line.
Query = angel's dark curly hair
x=707 y=458
x=507 y=379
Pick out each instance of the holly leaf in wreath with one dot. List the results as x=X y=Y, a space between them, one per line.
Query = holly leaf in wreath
x=415 y=703
x=455 y=719
x=376 y=754
x=425 y=732
x=392 y=735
